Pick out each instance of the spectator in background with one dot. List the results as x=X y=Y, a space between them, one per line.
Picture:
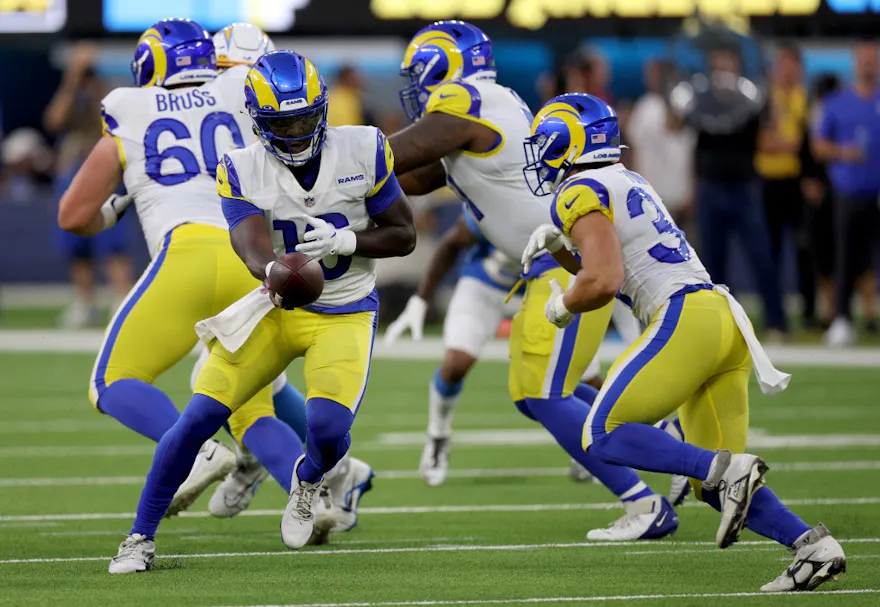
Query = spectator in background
x=663 y=149
x=27 y=162
x=847 y=138
x=346 y=105
x=818 y=216
x=780 y=163
x=725 y=113
x=74 y=114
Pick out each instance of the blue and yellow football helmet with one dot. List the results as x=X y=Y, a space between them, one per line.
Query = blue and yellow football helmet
x=438 y=53
x=570 y=129
x=287 y=101
x=174 y=51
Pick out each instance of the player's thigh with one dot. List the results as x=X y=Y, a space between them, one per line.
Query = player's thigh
x=473 y=316
x=716 y=416
x=248 y=413
x=546 y=361
x=154 y=326
x=678 y=352
x=233 y=378
x=337 y=362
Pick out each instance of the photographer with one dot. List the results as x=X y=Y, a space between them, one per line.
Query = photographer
x=727 y=112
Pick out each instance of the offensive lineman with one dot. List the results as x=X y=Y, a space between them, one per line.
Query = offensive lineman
x=466 y=135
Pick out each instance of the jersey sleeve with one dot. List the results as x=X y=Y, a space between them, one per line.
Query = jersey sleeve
x=386 y=188
x=577 y=198
x=236 y=207
x=110 y=108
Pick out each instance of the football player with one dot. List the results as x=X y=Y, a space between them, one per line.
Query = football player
x=698 y=349
x=293 y=191
x=236 y=45
x=465 y=134
x=477 y=306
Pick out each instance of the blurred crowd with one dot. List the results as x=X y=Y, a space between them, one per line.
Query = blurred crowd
x=760 y=168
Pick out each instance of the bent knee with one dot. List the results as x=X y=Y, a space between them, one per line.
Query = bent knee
x=456 y=365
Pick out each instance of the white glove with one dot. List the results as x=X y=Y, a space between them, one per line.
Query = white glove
x=412 y=318
x=555 y=309
x=113 y=208
x=326 y=240
x=545 y=237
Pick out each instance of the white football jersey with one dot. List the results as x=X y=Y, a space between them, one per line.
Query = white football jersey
x=491 y=184
x=356 y=161
x=657 y=258
x=170 y=142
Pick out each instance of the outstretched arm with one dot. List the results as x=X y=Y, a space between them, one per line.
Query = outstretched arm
x=430 y=139
x=456 y=240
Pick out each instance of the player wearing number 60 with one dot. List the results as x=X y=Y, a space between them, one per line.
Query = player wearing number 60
x=697 y=352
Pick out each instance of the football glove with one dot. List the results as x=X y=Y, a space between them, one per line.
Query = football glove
x=545 y=237
x=325 y=239
x=412 y=318
x=555 y=309
x=113 y=208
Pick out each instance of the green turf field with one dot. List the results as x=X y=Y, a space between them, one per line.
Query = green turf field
x=507 y=529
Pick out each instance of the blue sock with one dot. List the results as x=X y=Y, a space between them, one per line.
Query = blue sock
x=140 y=406
x=586 y=393
x=327 y=438
x=445 y=389
x=648 y=448
x=174 y=457
x=276 y=446
x=290 y=407
x=767 y=516
x=564 y=418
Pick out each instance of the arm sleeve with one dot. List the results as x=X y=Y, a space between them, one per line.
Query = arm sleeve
x=386 y=189
x=578 y=198
x=236 y=210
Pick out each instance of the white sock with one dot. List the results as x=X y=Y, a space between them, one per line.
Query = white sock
x=440 y=410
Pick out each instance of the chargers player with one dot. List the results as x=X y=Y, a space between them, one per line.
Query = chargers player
x=330 y=193
x=466 y=135
x=475 y=310
x=698 y=348
x=162 y=138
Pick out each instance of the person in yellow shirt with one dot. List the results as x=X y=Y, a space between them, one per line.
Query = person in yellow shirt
x=347 y=96
x=779 y=161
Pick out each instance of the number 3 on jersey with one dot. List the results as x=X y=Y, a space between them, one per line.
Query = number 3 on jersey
x=291 y=239
x=183 y=155
x=636 y=201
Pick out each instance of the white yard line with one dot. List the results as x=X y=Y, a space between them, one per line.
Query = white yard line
x=431 y=348
x=396 y=475
x=404 y=510
x=581 y=599
x=323 y=552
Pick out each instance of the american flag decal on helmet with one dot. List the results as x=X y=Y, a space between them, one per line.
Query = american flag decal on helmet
x=597 y=138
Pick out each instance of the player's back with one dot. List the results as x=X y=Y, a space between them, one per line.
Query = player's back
x=170 y=142
x=657 y=258
x=491 y=183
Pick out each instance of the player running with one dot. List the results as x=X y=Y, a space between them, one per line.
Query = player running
x=330 y=193
x=466 y=135
x=699 y=346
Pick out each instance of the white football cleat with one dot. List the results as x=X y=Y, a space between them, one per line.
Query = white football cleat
x=214 y=461
x=298 y=520
x=136 y=554
x=434 y=465
x=237 y=490
x=649 y=518
x=346 y=484
x=818 y=558
x=736 y=477
x=840 y=334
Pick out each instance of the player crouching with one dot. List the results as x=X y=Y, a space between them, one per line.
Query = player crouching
x=290 y=193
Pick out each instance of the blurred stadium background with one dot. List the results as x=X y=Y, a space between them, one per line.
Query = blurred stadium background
x=52 y=49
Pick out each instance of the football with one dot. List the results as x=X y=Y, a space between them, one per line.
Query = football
x=296 y=280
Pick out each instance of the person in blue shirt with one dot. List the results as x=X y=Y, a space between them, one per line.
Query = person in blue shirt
x=847 y=138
